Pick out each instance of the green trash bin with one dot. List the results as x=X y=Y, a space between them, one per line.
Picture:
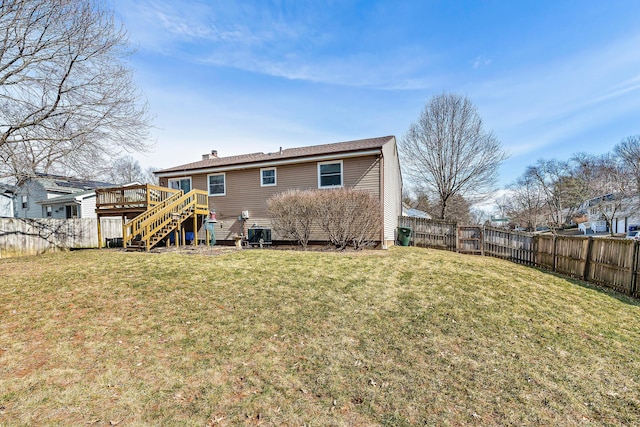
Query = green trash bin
x=404 y=236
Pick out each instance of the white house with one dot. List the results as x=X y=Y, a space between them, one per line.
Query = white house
x=621 y=212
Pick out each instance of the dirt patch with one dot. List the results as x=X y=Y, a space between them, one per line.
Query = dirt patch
x=195 y=250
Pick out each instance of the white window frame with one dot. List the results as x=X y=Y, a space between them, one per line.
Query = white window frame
x=224 y=184
x=49 y=211
x=320 y=164
x=170 y=180
x=25 y=202
x=275 y=177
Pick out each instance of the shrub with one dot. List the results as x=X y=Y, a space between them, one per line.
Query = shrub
x=348 y=217
x=292 y=214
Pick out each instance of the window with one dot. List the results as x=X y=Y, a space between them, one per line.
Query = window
x=71 y=211
x=330 y=174
x=267 y=177
x=49 y=211
x=217 y=185
x=24 y=202
x=183 y=184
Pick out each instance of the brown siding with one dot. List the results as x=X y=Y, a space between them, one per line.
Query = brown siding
x=243 y=190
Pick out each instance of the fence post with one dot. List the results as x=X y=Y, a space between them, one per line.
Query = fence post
x=414 y=224
x=587 y=261
x=555 y=252
x=634 y=269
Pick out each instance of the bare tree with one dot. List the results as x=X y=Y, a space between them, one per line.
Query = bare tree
x=449 y=152
x=561 y=190
x=124 y=170
x=457 y=209
x=526 y=202
x=67 y=100
x=628 y=151
x=150 y=176
x=610 y=190
x=478 y=216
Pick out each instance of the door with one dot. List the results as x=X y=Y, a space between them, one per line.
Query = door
x=183 y=184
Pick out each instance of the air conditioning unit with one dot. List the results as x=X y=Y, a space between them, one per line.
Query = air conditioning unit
x=245 y=215
x=259 y=236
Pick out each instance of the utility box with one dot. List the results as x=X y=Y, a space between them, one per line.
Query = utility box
x=259 y=236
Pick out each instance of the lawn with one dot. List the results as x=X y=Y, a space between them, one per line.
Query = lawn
x=269 y=337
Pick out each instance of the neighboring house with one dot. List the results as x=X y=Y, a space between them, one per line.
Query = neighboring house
x=242 y=184
x=55 y=196
x=619 y=211
x=414 y=213
x=7 y=194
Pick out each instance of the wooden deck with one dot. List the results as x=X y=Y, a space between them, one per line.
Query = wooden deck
x=150 y=213
x=130 y=201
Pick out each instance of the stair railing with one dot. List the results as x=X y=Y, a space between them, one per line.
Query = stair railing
x=159 y=221
x=134 y=228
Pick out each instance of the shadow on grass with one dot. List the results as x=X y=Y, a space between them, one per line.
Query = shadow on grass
x=602 y=289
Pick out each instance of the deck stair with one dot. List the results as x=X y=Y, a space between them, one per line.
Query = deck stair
x=149 y=228
x=156 y=220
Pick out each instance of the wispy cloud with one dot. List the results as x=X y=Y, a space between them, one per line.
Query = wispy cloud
x=559 y=101
x=295 y=45
x=481 y=62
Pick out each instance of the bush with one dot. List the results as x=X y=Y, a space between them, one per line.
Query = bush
x=348 y=217
x=292 y=214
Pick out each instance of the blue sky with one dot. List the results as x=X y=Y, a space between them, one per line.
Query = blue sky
x=550 y=78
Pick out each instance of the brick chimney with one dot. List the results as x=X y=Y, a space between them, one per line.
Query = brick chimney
x=213 y=155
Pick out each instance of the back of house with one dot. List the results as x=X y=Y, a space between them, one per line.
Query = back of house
x=239 y=186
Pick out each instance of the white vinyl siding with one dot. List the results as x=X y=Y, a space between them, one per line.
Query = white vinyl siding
x=392 y=195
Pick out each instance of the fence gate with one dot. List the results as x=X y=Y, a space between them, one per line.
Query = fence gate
x=470 y=240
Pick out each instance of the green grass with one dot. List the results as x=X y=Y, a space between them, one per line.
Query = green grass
x=400 y=337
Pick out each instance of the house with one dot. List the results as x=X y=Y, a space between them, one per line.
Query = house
x=618 y=210
x=54 y=196
x=239 y=186
x=414 y=213
x=7 y=194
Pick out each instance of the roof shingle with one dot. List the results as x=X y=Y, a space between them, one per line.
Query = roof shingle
x=289 y=153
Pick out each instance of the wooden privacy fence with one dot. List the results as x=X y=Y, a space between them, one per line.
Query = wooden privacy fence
x=428 y=233
x=23 y=237
x=609 y=262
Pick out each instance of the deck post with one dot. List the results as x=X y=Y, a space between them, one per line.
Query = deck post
x=124 y=232
x=194 y=242
x=99 y=234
